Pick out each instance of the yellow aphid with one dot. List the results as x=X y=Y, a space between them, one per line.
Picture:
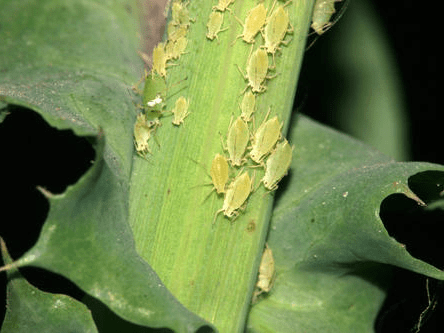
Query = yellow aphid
x=180 y=14
x=180 y=110
x=267 y=274
x=142 y=134
x=159 y=60
x=236 y=195
x=169 y=46
x=257 y=68
x=254 y=22
x=175 y=49
x=276 y=29
x=277 y=165
x=322 y=12
x=219 y=173
x=176 y=31
x=265 y=138
x=248 y=106
x=223 y=5
x=237 y=141
x=214 y=25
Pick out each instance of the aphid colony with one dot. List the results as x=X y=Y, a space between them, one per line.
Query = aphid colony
x=244 y=146
x=155 y=90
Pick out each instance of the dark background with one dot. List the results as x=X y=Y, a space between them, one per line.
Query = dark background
x=414 y=32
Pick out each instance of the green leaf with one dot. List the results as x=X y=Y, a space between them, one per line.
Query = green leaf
x=32 y=310
x=75 y=69
x=210 y=268
x=331 y=248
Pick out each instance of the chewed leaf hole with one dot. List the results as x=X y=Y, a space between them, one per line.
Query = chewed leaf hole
x=428 y=185
x=34 y=154
x=417 y=227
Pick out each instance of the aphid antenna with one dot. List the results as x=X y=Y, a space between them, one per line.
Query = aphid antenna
x=201 y=165
x=175 y=84
x=207 y=184
x=147 y=59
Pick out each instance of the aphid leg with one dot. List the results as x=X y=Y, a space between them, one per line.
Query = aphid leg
x=241 y=23
x=274 y=4
x=245 y=77
x=217 y=37
x=215 y=215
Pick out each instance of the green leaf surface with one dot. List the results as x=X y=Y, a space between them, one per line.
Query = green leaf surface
x=331 y=248
x=76 y=69
x=32 y=310
x=211 y=268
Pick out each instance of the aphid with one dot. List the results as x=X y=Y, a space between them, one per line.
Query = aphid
x=322 y=12
x=254 y=22
x=180 y=14
x=219 y=173
x=248 y=106
x=235 y=196
x=159 y=60
x=276 y=29
x=223 y=5
x=265 y=138
x=277 y=165
x=180 y=110
x=176 y=31
x=142 y=134
x=179 y=47
x=257 y=69
x=237 y=141
x=214 y=25
x=174 y=49
x=154 y=92
x=267 y=274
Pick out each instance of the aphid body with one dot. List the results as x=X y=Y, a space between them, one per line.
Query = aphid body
x=267 y=273
x=159 y=60
x=154 y=92
x=277 y=165
x=276 y=29
x=236 y=195
x=142 y=134
x=254 y=22
x=214 y=25
x=180 y=14
x=180 y=110
x=219 y=173
x=222 y=5
x=237 y=141
x=174 y=49
x=248 y=106
x=265 y=138
x=257 y=69
x=322 y=12
x=176 y=31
